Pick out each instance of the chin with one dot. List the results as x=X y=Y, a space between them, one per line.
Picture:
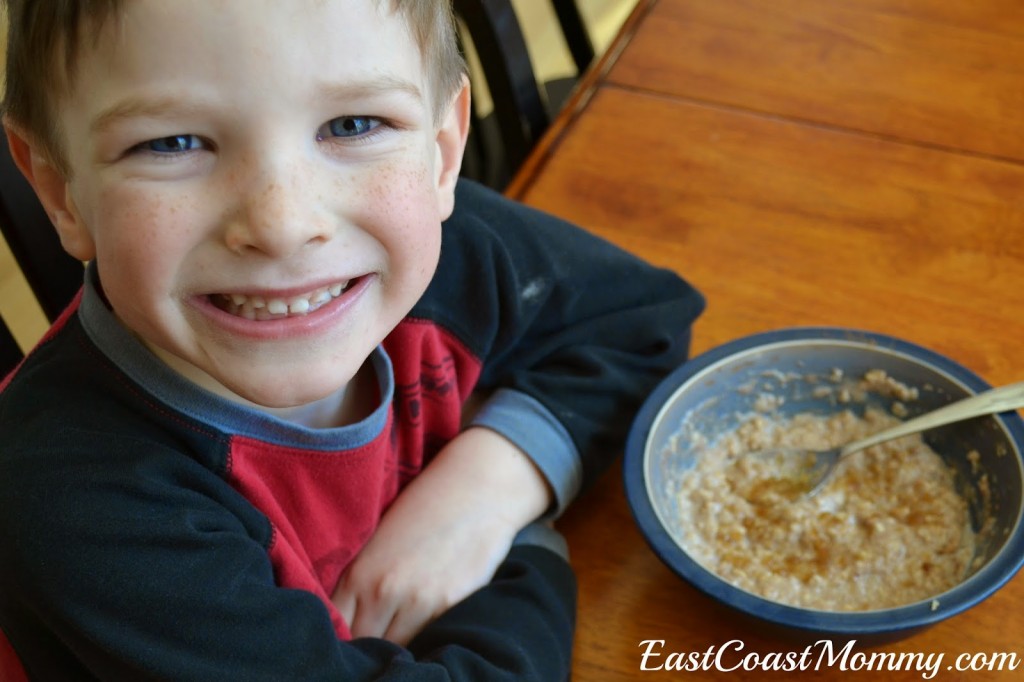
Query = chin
x=273 y=396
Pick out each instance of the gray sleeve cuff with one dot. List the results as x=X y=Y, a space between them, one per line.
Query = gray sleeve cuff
x=542 y=534
x=533 y=428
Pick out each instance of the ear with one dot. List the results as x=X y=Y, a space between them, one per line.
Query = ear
x=451 y=144
x=52 y=189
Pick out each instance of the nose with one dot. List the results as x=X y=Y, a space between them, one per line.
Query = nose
x=277 y=212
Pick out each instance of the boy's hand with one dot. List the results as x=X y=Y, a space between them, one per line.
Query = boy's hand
x=443 y=537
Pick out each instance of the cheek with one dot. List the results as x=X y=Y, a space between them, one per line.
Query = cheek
x=418 y=222
x=143 y=221
x=141 y=237
x=407 y=218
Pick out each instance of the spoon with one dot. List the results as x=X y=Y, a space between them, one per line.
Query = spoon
x=815 y=467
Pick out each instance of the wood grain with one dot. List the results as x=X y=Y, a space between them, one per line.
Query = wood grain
x=938 y=72
x=783 y=224
x=786 y=181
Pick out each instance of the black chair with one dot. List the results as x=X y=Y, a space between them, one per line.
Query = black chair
x=10 y=352
x=523 y=108
x=53 y=275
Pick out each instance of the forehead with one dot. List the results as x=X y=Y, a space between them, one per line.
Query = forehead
x=329 y=38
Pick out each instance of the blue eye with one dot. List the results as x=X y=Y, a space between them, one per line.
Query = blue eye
x=348 y=126
x=174 y=144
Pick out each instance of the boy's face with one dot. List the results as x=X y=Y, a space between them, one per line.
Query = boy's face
x=261 y=183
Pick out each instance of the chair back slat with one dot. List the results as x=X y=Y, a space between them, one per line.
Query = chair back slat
x=575 y=31
x=10 y=352
x=522 y=110
x=518 y=105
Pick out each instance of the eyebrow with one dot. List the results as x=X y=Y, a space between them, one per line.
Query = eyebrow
x=160 y=107
x=375 y=88
x=166 y=107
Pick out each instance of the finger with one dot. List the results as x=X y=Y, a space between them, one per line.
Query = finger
x=345 y=602
x=372 y=617
x=410 y=620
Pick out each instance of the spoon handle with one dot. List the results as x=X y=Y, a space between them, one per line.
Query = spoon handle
x=993 y=401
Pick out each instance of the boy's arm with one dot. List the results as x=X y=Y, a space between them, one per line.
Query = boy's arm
x=443 y=537
x=166 y=581
x=573 y=333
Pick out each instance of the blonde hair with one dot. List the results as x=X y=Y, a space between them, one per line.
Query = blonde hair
x=43 y=45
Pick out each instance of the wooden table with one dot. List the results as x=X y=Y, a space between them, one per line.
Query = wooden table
x=802 y=162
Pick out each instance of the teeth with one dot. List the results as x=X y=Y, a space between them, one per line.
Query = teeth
x=298 y=306
x=260 y=308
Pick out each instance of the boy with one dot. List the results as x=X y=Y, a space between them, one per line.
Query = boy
x=240 y=454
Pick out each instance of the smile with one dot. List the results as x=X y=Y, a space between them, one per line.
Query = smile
x=263 y=308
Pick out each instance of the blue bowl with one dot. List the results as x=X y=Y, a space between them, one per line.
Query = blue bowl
x=708 y=395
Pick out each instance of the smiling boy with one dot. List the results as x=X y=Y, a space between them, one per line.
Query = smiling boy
x=246 y=451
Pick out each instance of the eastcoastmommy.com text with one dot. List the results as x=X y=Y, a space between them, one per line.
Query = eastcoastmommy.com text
x=821 y=655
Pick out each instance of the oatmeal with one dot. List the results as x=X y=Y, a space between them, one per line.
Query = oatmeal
x=888 y=529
